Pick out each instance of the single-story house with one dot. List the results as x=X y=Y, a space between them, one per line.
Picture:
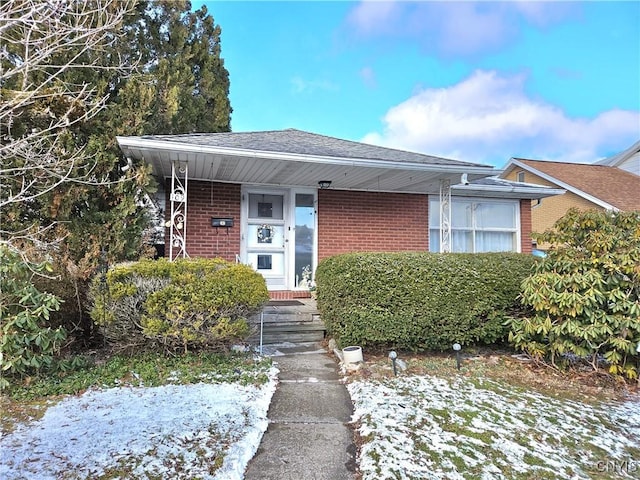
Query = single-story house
x=283 y=200
x=588 y=186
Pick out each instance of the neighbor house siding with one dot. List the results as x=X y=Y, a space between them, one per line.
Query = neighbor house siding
x=371 y=222
x=206 y=200
x=546 y=212
x=631 y=164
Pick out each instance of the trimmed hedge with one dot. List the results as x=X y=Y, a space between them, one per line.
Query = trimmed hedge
x=419 y=301
x=186 y=304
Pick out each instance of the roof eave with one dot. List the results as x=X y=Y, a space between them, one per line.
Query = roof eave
x=127 y=143
x=506 y=191
x=561 y=184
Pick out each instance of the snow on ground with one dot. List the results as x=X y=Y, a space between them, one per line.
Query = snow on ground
x=425 y=427
x=207 y=431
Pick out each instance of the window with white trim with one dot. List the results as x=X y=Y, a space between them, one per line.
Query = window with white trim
x=477 y=225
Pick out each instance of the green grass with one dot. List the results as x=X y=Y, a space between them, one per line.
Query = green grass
x=526 y=422
x=145 y=370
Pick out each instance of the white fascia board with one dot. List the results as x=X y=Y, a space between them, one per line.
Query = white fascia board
x=565 y=185
x=619 y=158
x=142 y=143
x=515 y=190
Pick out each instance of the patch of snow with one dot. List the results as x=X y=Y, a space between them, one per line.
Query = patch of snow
x=172 y=431
x=430 y=428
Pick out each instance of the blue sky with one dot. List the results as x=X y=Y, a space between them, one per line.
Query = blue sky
x=474 y=81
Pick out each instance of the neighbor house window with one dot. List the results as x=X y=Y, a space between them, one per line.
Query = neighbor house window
x=521 y=176
x=477 y=225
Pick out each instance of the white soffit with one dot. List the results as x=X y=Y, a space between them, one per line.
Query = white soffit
x=286 y=169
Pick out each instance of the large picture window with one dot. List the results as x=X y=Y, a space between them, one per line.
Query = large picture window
x=477 y=225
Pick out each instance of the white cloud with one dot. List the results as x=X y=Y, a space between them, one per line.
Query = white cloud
x=543 y=14
x=372 y=17
x=489 y=118
x=454 y=28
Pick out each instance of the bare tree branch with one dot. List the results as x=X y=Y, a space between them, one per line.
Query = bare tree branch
x=41 y=42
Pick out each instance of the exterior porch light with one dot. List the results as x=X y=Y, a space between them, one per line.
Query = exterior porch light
x=456 y=348
x=324 y=184
x=393 y=356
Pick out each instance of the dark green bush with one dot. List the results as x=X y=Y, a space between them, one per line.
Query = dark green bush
x=27 y=344
x=419 y=301
x=72 y=314
x=184 y=304
x=584 y=297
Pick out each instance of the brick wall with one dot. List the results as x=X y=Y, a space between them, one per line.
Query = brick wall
x=206 y=200
x=525 y=226
x=347 y=222
x=368 y=221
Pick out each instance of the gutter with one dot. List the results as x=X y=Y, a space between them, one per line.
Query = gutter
x=521 y=192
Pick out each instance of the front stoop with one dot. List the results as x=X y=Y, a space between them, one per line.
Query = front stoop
x=294 y=321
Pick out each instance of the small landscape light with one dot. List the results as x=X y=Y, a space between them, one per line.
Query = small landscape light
x=457 y=347
x=638 y=348
x=393 y=356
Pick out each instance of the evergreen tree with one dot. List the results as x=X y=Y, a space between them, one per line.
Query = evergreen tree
x=157 y=71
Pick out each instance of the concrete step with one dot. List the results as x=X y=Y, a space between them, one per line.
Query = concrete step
x=288 y=321
x=284 y=318
x=289 y=337
x=289 y=332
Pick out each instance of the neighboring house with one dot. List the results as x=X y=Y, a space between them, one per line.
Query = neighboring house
x=628 y=160
x=283 y=200
x=588 y=186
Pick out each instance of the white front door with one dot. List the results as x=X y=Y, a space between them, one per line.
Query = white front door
x=279 y=235
x=265 y=239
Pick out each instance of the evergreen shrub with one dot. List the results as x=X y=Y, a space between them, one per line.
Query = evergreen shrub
x=583 y=298
x=187 y=304
x=28 y=345
x=419 y=301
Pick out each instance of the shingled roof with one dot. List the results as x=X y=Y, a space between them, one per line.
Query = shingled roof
x=305 y=143
x=611 y=185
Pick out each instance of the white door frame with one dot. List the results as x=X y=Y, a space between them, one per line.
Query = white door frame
x=277 y=282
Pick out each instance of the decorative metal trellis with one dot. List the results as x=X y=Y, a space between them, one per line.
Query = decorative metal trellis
x=178 y=221
x=445 y=216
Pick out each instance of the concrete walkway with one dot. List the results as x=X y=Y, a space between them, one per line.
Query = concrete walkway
x=308 y=437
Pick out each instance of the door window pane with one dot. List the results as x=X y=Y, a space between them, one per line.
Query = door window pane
x=266 y=206
x=267 y=264
x=259 y=236
x=304 y=233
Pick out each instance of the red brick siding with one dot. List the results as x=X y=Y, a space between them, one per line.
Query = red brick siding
x=370 y=221
x=525 y=226
x=347 y=222
x=206 y=200
x=288 y=294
